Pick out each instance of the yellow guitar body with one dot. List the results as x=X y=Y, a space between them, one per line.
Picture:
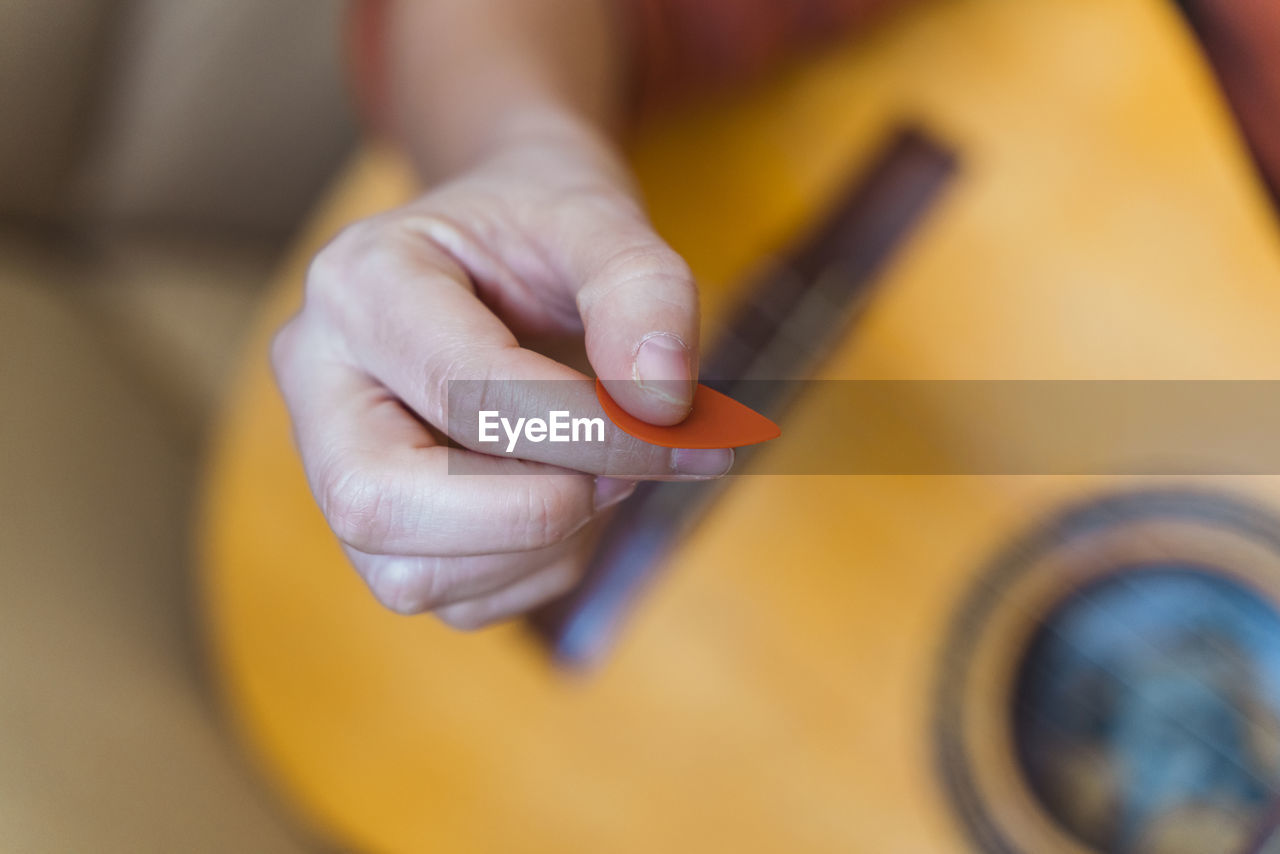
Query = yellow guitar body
x=776 y=689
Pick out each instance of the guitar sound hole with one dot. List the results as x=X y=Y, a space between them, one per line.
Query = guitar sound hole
x=1147 y=713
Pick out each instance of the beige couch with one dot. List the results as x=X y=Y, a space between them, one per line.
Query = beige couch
x=154 y=157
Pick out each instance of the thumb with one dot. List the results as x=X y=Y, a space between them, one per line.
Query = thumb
x=639 y=307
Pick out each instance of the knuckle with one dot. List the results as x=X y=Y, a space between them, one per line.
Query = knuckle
x=648 y=261
x=549 y=512
x=409 y=585
x=396 y=585
x=433 y=585
x=355 y=503
x=455 y=380
x=327 y=270
x=626 y=456
x=354 y=255
x=644 y=264
x=465 y=616
x=422 y=239
x=282 y=346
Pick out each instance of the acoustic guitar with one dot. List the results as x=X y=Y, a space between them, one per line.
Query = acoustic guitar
x=1039 y=663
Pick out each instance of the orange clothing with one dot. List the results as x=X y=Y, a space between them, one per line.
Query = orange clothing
x=692 y=43
x=677 y=45
x=683 y=45
x=1242 y=38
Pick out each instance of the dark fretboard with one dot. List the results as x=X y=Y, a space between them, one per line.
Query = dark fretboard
x=789 y=318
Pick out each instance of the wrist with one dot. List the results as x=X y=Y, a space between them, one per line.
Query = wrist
x=554 y=145
x=455 y=80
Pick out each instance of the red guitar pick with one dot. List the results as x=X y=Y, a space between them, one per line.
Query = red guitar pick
x=716 y=421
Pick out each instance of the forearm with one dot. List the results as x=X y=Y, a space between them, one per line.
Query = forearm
x=460 y=79
x=455 y=79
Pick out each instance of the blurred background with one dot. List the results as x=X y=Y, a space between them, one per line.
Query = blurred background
x=154 y=158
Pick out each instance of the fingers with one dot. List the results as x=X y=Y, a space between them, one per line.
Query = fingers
x=408 y=315
x=411 y=584
x=639 y=307
x=530 y=592
x=399 y=332
x=419 y=329
x=386 y=487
